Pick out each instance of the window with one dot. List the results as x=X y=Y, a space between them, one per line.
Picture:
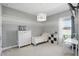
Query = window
x=67 y=28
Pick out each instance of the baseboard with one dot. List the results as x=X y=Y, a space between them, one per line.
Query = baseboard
x=3 y=49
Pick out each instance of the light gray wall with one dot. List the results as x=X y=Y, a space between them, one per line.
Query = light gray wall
x=0 y=29
x=53 y=21
x=11 y=19
x=0 y=22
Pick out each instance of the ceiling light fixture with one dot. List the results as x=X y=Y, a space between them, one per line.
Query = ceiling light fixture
x=41 y=17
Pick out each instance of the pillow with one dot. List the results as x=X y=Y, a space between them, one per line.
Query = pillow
x=45 y=34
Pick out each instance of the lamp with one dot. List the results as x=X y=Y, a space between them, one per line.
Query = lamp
x=41 y=17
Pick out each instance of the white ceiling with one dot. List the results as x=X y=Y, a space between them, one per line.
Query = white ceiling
x=35 y=8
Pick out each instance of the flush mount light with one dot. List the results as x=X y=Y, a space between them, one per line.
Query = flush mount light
x=41 y=17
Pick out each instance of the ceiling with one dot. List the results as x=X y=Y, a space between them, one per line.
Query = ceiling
x=36 y=8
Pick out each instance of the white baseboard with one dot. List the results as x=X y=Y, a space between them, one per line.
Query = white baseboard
x=3 y=49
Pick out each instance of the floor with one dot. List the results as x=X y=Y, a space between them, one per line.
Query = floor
x=45 y=49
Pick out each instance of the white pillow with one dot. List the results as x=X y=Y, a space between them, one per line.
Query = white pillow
x=45 y=34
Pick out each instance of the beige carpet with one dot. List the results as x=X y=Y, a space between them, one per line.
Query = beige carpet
x=45 y=49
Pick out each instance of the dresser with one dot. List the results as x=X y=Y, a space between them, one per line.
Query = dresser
x=24 y=38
